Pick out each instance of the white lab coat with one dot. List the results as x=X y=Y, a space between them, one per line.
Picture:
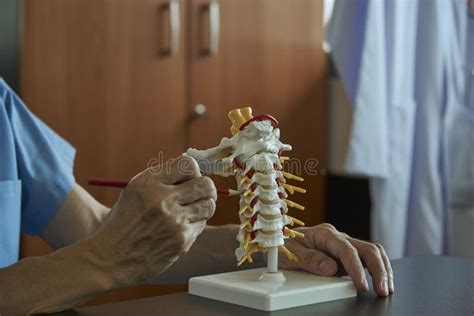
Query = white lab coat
x=402 y=63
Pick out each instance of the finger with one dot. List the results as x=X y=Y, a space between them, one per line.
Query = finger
x=388 y=268
x=373 y=259
x=200 y=210
x=177 y=170
x=196 y=189
x=314 y=261
x=329 y=240
x=199 y=227
x=193 y=230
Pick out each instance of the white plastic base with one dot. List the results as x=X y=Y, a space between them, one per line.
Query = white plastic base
x=245 y=288
x=272 y=277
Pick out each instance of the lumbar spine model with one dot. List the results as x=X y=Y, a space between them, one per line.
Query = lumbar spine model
x=253 y=156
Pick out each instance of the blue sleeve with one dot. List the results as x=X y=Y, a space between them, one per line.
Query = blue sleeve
x=44 y=161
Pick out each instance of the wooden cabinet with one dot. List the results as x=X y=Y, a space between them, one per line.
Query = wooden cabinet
x=94 y=71
x=102 y=74
x=269 y=56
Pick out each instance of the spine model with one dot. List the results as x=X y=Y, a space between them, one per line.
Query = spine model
x=253 y=155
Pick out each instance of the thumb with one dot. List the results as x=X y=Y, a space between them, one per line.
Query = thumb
x=315 y=261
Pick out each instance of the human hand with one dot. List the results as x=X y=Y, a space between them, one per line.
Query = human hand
x=323 y=246
x=156 y=220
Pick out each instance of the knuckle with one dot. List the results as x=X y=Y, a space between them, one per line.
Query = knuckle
x=344 y=235
x=322 y=236
x=208 y=186
x=308 y=258
x=211 y=206
x=209 y=183
x=200 y=228
x=349 y=252
x=382 y=274
x=372 y=249
x=188 y=164
x=207 y=207
x=173 y=221
x=183 y=234
x=166 y=205
x=380 y=247
x=326 y=232
x=138 y=181
x=328 y=226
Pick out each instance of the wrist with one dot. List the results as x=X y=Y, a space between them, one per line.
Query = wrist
x=98 y=258
x=84 y=268
x=54 y=282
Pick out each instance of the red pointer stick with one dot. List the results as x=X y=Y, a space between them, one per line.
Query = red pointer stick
x=120 y=183
x=115 y=183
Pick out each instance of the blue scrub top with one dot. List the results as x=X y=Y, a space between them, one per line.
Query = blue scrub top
x=35 y=173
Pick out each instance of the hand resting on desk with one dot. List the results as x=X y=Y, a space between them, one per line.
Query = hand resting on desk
x=326 y=251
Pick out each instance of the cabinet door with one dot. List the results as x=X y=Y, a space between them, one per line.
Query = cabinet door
x=102 y=75
x=270 y=56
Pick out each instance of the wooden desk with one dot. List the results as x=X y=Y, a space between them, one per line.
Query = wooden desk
x=428 y=285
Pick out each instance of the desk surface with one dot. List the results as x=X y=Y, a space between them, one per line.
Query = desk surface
x=428 y=285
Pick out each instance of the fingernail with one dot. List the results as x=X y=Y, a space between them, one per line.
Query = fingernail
x=391 y=286
x=326 y=266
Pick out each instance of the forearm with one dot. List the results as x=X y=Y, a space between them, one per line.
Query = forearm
x=79 y=217
x=56 y=281
x=213 y=252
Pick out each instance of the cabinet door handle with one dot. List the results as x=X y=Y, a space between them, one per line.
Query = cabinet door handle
x=200 y=110
x=174 y=27
x=214 y=27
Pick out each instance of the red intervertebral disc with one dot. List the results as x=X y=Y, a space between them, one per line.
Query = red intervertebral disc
x=250 y=173
x=253 y=187
x=253 y=219
x=238 y=163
